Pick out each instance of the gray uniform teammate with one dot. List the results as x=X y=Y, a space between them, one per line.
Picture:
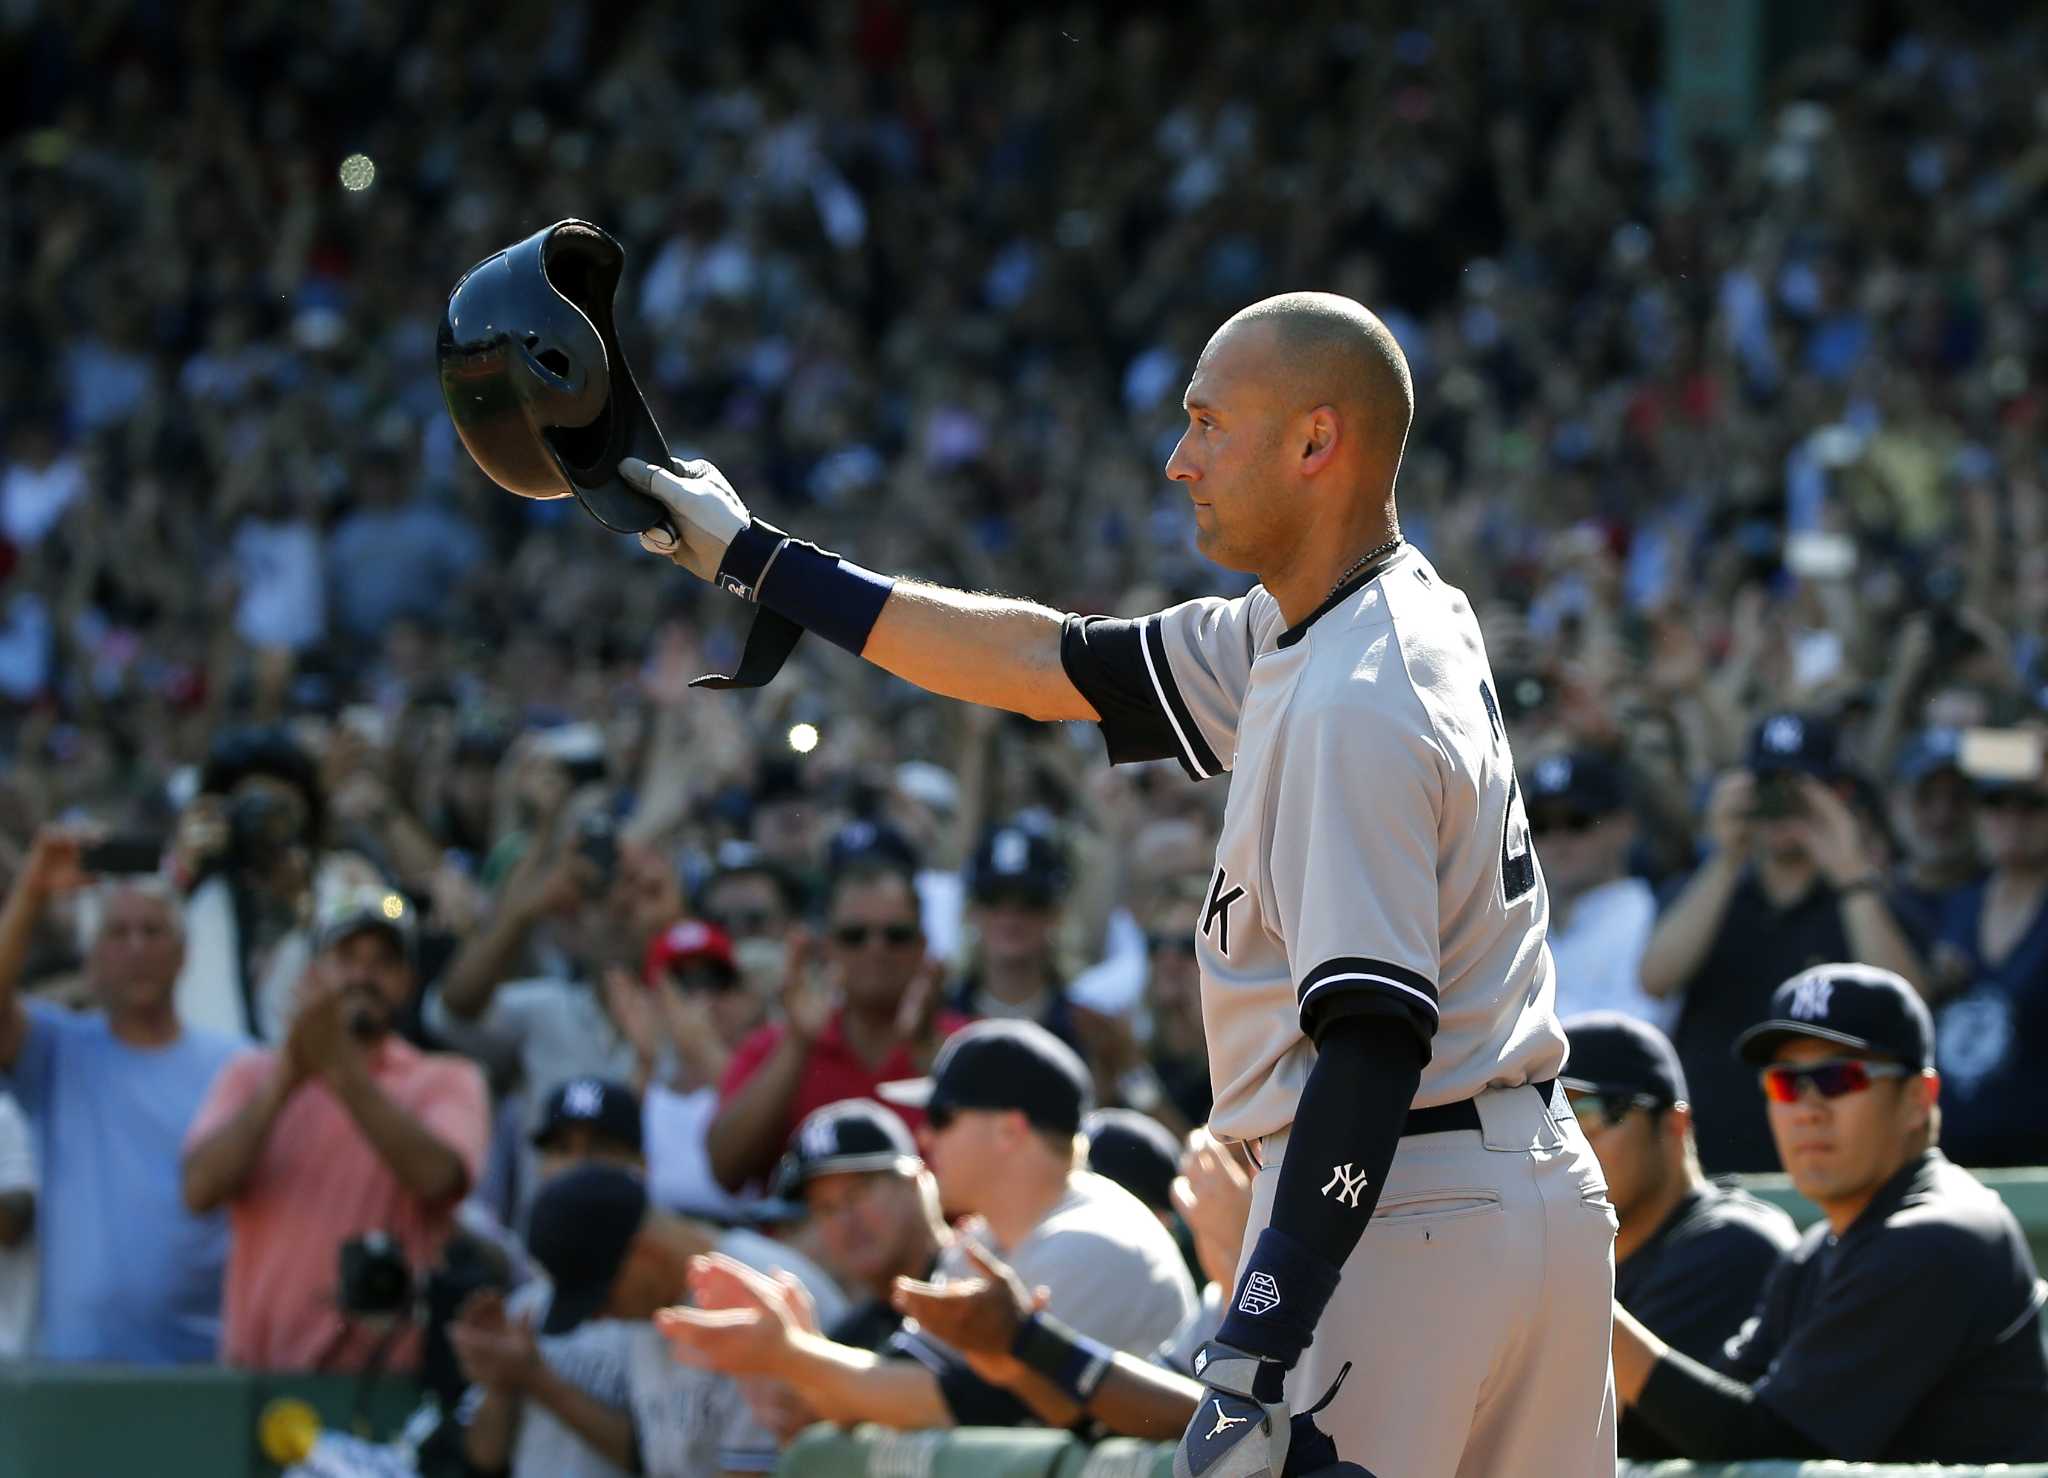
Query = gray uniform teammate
x=1375 y=982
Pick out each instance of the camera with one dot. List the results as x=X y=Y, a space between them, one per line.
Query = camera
x=376 y=1281
x=262 y=828
x=1777 y=796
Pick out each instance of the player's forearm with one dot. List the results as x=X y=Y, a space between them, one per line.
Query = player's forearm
x=1685 y=933
x=984 y=649
x=846 y=1386
x=1346 y=1130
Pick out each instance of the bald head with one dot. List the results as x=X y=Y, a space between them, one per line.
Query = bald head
x=1330 y=350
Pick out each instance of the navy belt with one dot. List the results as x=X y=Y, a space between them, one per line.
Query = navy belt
x=1464 y=1114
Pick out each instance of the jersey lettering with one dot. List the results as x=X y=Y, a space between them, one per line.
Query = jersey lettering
x=1517 y=856
x=1216 y=912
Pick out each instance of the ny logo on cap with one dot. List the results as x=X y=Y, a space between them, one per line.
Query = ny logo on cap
x=820 y=1138
x=583 y=1099
x=1784 y=734
x=1553 y=774
x=1010 y=852
x=1810 y=997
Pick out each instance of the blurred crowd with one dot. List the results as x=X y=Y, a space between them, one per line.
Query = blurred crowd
x=315 y=741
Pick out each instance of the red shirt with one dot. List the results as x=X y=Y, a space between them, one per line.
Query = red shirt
x=832 y=1069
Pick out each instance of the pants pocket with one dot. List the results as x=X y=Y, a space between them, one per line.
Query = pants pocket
x=1436 y=1205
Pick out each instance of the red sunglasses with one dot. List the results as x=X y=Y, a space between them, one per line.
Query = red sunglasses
x=1831 y=1079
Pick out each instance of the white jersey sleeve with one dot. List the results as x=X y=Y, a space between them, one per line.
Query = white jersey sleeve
x=1352 y=863
x=1170 y=685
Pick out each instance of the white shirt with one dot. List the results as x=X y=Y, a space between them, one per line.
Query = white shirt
x=1597 y=942
x=674 y=1127
x=17 y=1264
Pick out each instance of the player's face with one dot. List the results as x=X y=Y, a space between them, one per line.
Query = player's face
x=1233 y=456
x=1838 y=1150
x=963 y=1148
x=1629 y=1143
x=865 y=1219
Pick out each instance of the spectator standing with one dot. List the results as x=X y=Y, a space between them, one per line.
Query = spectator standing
x=17 y=1233
x=698 y=1011
x=1934 y=812
x=1906 y=1324
x=1014 y=887
x=1790 y=883
x=885 y=1025
x=343 y=1130
x=1994 y=948
x=1691 y=1256
x=128 y=1275
x=1600 y=917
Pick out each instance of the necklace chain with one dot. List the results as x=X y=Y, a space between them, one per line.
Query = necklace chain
x=1365 y=559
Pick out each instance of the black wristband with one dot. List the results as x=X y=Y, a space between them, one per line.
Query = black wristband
x=1066 y=1357
x=747 y=559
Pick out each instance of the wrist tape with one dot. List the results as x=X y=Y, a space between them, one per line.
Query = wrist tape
x=1066 y=1357
x=813 y=587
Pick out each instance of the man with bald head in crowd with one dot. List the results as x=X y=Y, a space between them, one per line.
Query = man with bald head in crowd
x=128 y=1275
x=1376 y=989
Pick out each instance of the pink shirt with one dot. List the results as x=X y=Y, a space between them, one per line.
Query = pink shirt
x=318 y=1183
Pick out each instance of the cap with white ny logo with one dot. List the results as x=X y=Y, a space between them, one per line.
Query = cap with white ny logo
x=1857 y=1006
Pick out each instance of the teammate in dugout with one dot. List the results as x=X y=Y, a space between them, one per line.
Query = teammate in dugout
x=1374 y=975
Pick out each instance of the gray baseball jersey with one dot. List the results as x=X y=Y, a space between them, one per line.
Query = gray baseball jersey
x=1374 y=857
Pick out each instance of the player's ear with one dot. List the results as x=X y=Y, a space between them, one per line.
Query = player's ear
x=1321 y=434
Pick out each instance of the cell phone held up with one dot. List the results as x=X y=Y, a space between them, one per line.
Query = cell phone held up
x=597 y=842
x=122 y=855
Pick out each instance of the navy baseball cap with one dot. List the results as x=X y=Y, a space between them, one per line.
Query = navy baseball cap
x=863 y=840
x=1929 y=753
x=1858 y=1006
x=855 y=1134
x=1017 y=862
x=1002 y=1065
x=1798 y=743
x=580 y=1230
x=1136 y=1151
x=609 y=1108
x=1616 y=1053
x=1582 y=778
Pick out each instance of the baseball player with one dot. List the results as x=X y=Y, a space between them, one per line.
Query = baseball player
x=1375 y=983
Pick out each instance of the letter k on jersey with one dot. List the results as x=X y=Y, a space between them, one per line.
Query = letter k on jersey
x=1216 y=912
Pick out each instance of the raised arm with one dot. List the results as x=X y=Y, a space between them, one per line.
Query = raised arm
x=52 y=867
x=984 y=649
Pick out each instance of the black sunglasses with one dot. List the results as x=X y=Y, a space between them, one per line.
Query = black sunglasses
x=1183 y=944
x=745 y=922
x=853 y=936
x=1576 y=822
x=1610 y=1106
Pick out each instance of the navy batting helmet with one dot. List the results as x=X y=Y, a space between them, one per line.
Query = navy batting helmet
x=536 y=382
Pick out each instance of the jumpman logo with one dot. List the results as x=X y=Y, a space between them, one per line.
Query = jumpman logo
x=1225 y=1423
x=1346 y=1183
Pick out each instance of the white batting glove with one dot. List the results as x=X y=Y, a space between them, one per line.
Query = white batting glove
x=701 y=506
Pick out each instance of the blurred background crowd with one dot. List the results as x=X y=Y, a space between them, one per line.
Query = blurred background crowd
x=1736 y=442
